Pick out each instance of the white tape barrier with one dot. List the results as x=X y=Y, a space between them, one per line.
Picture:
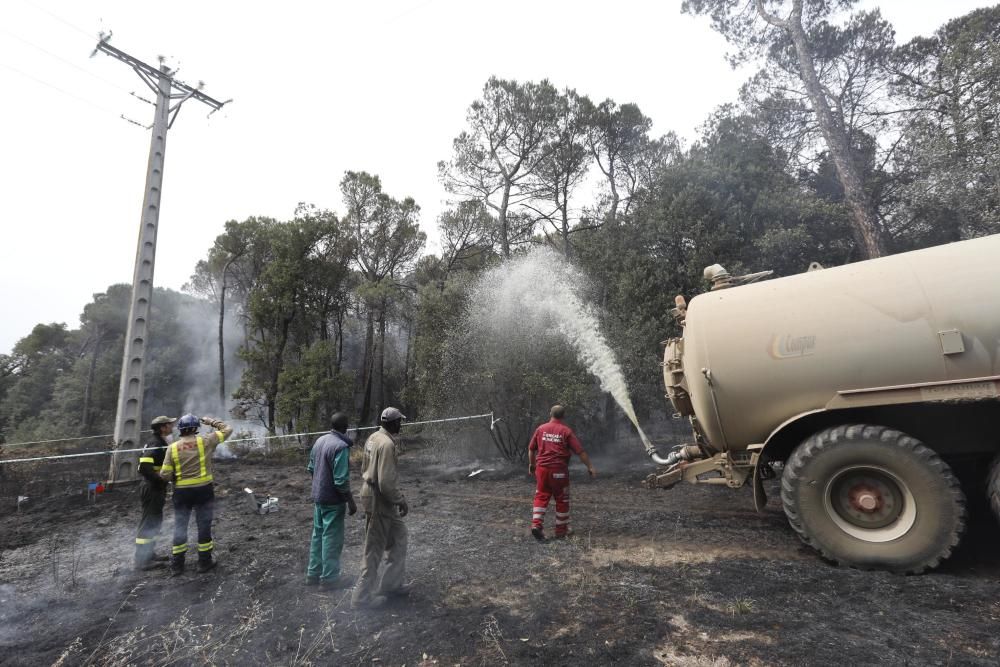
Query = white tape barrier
x=76 y=439
x=230 y=442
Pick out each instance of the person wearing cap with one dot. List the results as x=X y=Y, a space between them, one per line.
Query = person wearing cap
x=385 y=507
x=188 y=464
x=152 y=494
x=549 y=452
x=331 y=494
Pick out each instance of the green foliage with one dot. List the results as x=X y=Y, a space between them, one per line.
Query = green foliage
x=66 y=382
x=619 y=142
x=311 y=391
x=728 y=200
x=949 y=173
x=302 y=285
x=387 y=240
x=822 y=80
x=496 y=160
x=517 y=380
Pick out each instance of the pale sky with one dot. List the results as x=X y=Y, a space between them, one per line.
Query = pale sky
x=317 y=89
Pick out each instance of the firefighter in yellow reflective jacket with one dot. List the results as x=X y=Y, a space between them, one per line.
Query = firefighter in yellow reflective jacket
x=188 y=464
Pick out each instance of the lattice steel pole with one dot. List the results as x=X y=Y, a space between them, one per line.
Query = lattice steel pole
x=129 y=419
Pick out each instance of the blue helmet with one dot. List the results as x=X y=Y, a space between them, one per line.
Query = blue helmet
x=187 y=422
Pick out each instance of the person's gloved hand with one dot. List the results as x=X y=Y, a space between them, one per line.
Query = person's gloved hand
x=207 y=421
x=531 y=469
x=404 y=509
x=352 y=507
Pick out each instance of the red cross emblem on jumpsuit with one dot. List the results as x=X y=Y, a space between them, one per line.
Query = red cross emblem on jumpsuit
x=554 y=443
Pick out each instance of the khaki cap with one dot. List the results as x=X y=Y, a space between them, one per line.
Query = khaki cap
x=392 y=414
x=162 y=420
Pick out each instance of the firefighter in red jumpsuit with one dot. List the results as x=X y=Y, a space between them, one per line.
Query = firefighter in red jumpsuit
x=548 y=460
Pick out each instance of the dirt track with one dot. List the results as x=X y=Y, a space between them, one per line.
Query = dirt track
x=689 y=576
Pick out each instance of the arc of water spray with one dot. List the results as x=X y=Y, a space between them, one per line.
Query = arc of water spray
x=543 y=286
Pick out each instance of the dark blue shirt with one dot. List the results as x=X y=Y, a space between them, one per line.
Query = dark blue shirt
x=328 y=463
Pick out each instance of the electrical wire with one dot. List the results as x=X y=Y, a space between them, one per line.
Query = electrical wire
x=66 y=23
x=230 y=442
x=61 y=90
x=67 y=62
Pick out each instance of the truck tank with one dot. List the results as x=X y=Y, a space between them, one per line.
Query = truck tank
x=755 y=356
x=868 y=382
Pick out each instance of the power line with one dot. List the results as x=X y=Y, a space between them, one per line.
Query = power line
x=407 y=12
x=58 y=89
x=231 y=442
x=88 y=35
x=68 y=62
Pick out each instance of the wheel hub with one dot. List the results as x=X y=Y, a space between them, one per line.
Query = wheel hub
x=867 y=498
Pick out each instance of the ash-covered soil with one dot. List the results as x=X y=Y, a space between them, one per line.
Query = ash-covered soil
x=687 y=576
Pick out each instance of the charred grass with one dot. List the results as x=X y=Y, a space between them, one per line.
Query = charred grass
x=690 y=576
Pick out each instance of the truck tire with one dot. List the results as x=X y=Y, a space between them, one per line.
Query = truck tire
x=872 y=498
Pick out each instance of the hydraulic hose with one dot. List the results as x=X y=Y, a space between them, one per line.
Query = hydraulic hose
x=677 y=455
x=659 y=460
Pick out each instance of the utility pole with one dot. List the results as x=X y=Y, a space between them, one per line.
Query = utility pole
x=170 y=95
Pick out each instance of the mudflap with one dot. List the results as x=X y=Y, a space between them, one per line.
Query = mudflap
x=759 y=495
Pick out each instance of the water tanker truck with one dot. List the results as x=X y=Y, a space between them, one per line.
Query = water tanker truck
x=867 y=385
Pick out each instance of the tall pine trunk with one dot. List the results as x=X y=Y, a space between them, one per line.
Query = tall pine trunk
x=89 y=387
x=379 y=393
x=367 y=366
x=222 y=344
x=864 y=221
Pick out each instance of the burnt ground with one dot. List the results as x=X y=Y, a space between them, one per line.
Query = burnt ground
x=687 y=576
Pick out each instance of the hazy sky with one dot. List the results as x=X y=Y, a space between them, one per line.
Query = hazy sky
x=318 y=88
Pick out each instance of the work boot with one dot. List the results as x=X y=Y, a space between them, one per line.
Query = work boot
x=312 y=581
x=160 y=558
x=147 y=565
x=538 y=534
x=206 y=564
x=400 y=592
x=563 y=536
x=177 y=566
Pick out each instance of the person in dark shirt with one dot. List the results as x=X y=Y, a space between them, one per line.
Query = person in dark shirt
x=153 y=494
x=331 y=495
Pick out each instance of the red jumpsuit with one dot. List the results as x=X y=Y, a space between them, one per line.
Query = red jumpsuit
x=555 y=443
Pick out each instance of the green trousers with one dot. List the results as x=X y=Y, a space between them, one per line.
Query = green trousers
x=327 y=541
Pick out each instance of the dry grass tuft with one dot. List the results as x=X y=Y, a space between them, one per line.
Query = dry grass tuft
x=740 y=607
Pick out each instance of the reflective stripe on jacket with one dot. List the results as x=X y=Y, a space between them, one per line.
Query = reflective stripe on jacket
x=151 y=460
x=188 y=462
x=203 y=476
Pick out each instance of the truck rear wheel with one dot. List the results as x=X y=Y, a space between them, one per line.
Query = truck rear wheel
x=873 y=498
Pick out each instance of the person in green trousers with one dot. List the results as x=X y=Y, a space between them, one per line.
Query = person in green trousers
x=331 y=495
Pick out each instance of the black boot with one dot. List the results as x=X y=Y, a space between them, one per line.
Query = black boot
x=177 y=565
x=205 y=562
x=147 y=565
